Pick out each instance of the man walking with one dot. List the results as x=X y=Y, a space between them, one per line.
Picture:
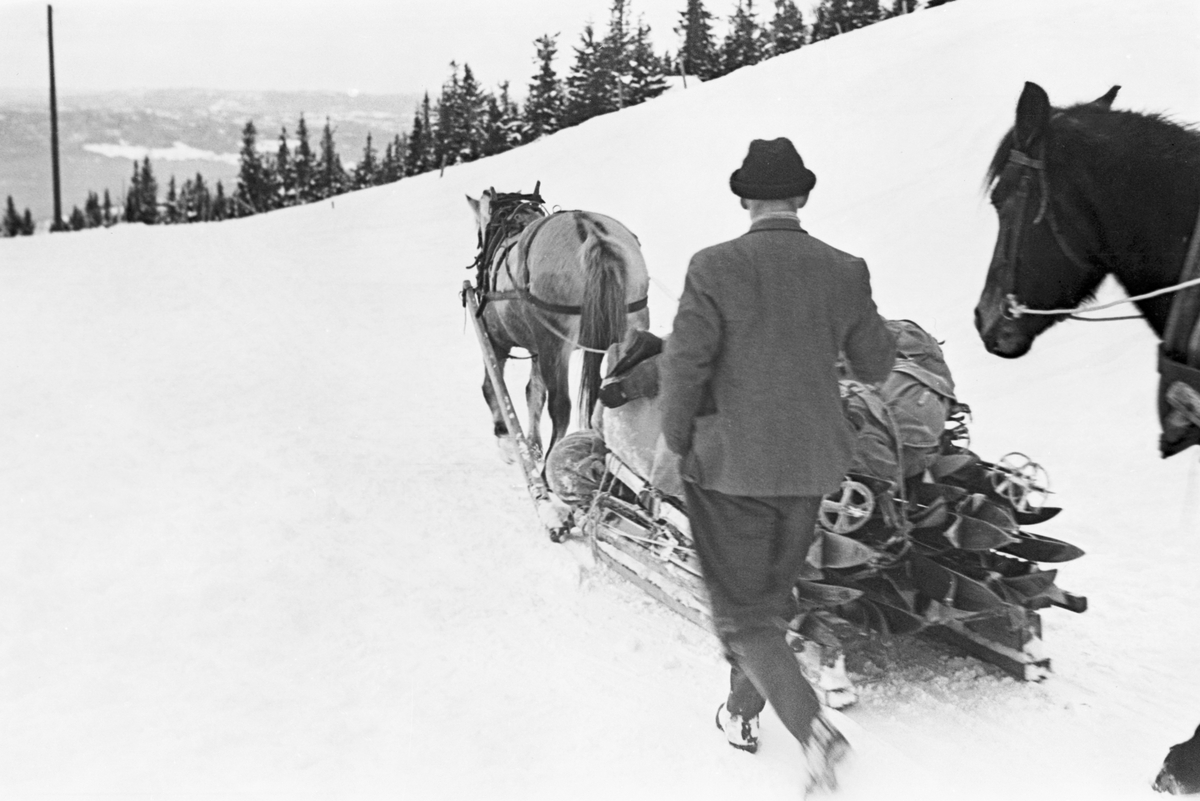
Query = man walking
x=751 y=404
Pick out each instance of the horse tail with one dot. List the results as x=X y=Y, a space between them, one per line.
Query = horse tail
x=603 y=311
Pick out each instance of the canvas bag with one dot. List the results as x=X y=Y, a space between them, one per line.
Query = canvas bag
x=920 y=393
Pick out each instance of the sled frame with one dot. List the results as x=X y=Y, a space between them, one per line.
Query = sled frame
x=1011 y=642
x=535 y=482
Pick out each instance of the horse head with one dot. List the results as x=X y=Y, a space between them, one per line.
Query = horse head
x=500 y=215
x=1044 y=254
x=482 y=209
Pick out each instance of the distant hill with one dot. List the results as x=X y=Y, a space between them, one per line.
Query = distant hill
x=184 y=131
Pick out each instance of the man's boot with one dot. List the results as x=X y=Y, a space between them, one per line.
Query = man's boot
x=741 y=732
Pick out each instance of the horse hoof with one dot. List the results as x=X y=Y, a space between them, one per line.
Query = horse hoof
x=508 y=449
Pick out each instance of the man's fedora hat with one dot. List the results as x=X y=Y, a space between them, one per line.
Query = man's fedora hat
x=772 y=170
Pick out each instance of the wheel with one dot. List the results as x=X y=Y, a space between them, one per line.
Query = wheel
x=1022 y=481
x=847 y=509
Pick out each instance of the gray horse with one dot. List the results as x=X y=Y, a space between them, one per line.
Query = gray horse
x=551 y=284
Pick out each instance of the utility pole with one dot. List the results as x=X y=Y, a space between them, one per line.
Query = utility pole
x=58 y=223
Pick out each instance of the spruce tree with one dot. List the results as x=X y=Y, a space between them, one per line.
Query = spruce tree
x=330 y=178
x=502 y=123
x=147 y=201
x=12 y=224
x=614 y=54
x=842 y=16
x=420 y=142
x=669 y=66
x=109 y=219
x=304 y=164
x=133 y=196
x=391 y=167
x=400 y=148
x=698 y=54
x=255 y=192
x=787 y=31
x=589 y=84
x=386 y=164
x=220 y=206
x=544 y=105
x=27 y=225
x=200 y=205
x=186 y=201
x=647 y=70
x=446 y=121
x=366 y=172
x=744 y=43
x=283 y=176
x=173 y=213
x=92 y=212
x=77 y=221
x=473 y=104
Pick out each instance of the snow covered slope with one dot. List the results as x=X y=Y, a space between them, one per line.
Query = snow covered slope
x=257 y=540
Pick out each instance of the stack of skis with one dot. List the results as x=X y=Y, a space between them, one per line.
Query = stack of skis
x=948 y=556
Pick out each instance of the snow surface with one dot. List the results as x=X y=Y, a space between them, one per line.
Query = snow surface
x=178 y=151
x=258 y=541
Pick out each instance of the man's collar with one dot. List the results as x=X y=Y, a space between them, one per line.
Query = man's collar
x=776 y=222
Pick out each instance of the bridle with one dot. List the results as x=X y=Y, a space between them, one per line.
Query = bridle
x=1013 y=308
x=1013 y=228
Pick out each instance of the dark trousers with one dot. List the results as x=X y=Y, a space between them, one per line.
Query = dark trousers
x=751 y=553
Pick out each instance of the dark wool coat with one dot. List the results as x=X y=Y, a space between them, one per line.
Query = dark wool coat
x=749 y=376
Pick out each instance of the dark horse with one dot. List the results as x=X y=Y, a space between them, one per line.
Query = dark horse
x=1083 y=192
x=551 y=284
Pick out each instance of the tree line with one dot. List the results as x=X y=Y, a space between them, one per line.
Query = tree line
x=610 y=69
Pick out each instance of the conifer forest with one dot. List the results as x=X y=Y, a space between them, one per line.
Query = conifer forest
x=607 y=70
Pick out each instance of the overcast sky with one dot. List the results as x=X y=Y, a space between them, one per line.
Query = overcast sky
x=341 y=45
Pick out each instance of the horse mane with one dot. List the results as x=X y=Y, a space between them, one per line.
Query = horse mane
x=1115 y=139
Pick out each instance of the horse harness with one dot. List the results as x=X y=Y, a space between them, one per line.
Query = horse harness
x=505 y=232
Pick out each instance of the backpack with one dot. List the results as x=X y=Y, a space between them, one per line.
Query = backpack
x=900 y=421
x=920 y=393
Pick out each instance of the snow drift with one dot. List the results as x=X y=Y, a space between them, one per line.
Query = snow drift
x=257 y=538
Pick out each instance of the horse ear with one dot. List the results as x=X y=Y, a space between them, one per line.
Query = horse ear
x=1033 y=115
x=1105 y=100
x=474 y=204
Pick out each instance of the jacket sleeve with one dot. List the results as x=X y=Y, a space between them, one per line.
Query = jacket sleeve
x=869 y=346
x=689 y=358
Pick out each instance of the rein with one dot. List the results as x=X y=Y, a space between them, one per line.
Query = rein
x=1015 y=308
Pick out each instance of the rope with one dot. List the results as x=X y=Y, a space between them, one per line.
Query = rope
x=1104 y=319
x=1017 y=309
x=538 y=316
x=663 y=288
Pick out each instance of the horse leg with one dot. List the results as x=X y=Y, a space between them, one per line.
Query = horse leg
x=554 y=376
x=499 y=427
x=535 y=402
